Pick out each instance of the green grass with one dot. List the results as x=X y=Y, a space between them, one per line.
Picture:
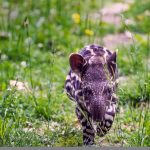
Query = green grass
x=139 y=12
x=35 y=42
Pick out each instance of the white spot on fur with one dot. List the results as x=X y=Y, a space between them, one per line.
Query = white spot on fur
x=69 y=84
x=104 y=48
x=108 y=124
x=92 y=52
x=110 y=109
x=108 y=117
x=83 y=120
x=73 y=75
x=68 y=77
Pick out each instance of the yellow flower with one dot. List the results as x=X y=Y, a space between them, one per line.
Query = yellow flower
x=140 y=17
x=89 y=32
x=76 y=18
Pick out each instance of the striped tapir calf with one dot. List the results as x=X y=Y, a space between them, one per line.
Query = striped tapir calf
x=91 y=83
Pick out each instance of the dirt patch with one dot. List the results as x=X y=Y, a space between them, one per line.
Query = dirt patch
x=111 y=14
x=112 y=41
x=20 y=86
x=115 y=8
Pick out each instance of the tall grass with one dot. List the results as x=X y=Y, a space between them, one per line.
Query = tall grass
x=41 y=38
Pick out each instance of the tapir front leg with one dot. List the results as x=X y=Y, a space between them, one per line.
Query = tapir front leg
x=88 y=131
x=104 y=126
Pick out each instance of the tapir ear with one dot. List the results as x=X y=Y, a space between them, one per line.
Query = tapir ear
x=112 y=63
x=76 y=62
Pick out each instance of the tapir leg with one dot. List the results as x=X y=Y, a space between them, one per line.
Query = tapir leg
x=104 y=126
x=88 y=132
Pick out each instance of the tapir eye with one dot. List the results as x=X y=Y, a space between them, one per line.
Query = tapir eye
x=107 y=90
x=87 y=92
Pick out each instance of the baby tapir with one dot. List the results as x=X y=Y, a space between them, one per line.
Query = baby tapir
x=91 y=83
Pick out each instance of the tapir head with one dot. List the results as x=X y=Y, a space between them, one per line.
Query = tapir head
x=96 y=76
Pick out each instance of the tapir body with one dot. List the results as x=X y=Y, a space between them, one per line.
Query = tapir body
x=92 y=83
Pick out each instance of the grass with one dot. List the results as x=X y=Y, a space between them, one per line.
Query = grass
x=35 y=42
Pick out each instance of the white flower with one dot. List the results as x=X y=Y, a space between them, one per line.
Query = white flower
x=23 y=64
x=40 y=21
x=4 y=57
x=28 y=41
x=40 y=45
